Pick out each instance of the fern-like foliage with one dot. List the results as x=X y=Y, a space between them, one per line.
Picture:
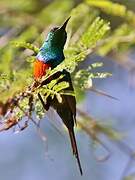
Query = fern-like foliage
x=24 y=29
x=115 y=9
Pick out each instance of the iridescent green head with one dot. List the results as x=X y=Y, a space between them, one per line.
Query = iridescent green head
x=52 y=49
x=57 y=36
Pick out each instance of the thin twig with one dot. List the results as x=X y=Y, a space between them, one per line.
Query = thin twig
x=102 y=93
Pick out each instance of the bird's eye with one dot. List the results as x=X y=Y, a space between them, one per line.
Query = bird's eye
x=54 y=29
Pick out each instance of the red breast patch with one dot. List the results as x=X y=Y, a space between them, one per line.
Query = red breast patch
x=40 y=69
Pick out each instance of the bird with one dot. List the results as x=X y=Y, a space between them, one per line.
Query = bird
x=50 y=56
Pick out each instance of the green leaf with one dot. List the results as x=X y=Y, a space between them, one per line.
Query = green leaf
x=115 y=9
x=94 y=33
x=25 y=45
x=60 y=86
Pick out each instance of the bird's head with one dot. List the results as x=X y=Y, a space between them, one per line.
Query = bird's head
x=57 y=36
x=52 y=49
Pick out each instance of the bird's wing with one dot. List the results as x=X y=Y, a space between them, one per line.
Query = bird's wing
x=71 y=101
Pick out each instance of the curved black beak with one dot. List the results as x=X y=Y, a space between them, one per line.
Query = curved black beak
x=63 y=27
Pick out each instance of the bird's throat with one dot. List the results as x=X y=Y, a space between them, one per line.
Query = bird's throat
x=51 y=54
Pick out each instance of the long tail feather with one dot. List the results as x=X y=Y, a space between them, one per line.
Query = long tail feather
x=74 y=148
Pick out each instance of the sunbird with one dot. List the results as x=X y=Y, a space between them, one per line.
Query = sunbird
x=51 y=55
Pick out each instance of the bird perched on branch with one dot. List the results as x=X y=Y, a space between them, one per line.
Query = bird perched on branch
x=50 y=55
